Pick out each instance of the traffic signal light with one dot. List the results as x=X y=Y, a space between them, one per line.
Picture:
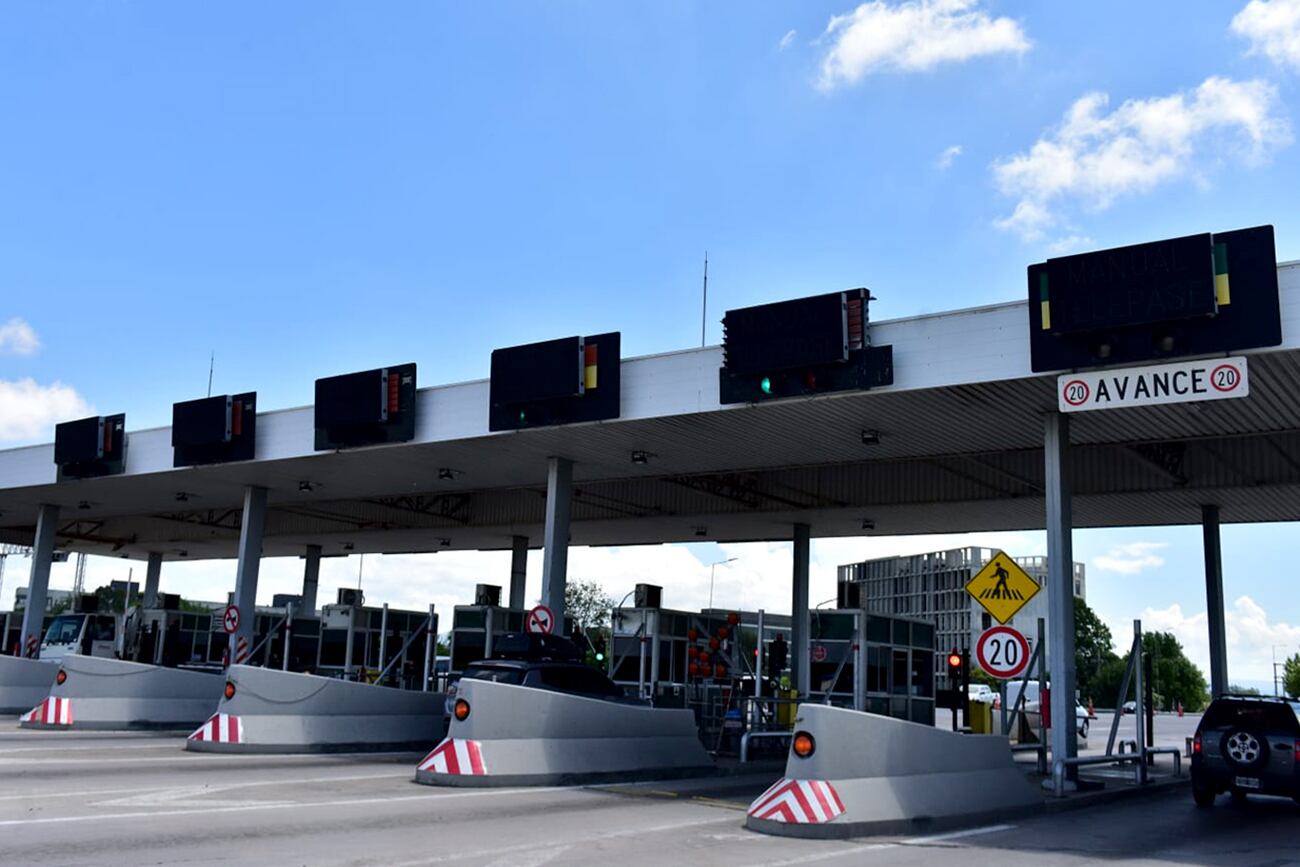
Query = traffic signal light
x=599 y=646
x=954 y=668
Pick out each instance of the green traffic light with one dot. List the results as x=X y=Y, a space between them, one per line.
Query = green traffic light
x=766 y=384
x=600 y=657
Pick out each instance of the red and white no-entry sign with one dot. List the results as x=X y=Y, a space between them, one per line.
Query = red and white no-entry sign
x=541 y=620
x=230 y=620
x=1002 y=652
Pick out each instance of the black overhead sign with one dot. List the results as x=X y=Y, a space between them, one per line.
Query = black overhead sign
x=806 y=346
x=214 y=430
x=573 y=379
x=367 y=408
x=90 y=447
x=1197 y=295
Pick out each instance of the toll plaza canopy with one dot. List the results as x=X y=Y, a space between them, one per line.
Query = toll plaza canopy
x=955 y=443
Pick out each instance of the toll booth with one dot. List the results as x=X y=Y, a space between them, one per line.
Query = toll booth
x=474 y=628
x=362 y=643
x=889 y=671
x=11 y=628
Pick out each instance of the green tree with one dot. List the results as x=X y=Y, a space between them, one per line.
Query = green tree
x=1242 y=690
x=1291 y=676
x=1093 y=646
x=1175 y=678
x=588 y=604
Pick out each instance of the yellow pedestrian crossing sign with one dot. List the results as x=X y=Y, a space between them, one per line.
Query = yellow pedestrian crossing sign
x=1002 y=587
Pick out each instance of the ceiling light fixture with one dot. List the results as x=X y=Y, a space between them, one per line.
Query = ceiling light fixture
x=868 y=524
x=446 y=474
x=640 y=456
x=305 y=487
x=870 y=437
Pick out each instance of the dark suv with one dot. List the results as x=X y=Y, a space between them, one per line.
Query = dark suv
x=541 y=661
x=1247 y=744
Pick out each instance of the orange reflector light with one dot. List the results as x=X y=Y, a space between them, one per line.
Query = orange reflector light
x=461 y=710
x=60 y=677
x=803 y=745
x=230 y=690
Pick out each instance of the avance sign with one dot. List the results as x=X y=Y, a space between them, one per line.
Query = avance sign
x=1183 y=382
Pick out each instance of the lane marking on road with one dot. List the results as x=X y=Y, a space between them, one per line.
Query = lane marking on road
x=955 y=835
x=90 y=793
x=535 y=859
x=183 y=756
x=296 y=805
x=465 y=855
x=60 y=748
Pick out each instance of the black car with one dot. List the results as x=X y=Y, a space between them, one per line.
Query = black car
x=1247 y=744
x=541 y=661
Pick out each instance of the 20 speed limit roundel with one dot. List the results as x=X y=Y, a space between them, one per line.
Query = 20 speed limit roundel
x=1002 y=652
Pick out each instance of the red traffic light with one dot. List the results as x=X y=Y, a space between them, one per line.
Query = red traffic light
x=954 y=660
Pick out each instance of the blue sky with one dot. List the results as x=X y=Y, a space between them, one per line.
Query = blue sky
x=310 y=188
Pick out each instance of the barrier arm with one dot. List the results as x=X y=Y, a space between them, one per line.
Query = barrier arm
x=270 y=633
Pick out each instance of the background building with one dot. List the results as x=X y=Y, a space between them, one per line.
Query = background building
x=932 y=586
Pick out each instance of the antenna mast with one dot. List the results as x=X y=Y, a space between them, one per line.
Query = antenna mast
x=212 y=362
x=704 y=310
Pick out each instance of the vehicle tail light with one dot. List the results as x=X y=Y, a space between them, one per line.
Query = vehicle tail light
x=1297 y=753
x=461 y=710
x=230 y=690
x=803 y=745
x=63 y=675
x=1196 y=745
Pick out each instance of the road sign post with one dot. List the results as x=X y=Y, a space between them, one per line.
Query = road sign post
x=540 y=621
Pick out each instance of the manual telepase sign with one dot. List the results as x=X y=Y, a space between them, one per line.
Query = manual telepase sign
x=1181 y=382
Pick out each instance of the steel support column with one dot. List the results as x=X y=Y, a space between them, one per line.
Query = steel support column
x=152 y=577
x=251 y=527
x=555 y=543
x=1214 y=601
x=38 y=585
x=518 y=570
x=1060 y=586
x=799 y=661
x=310 y=580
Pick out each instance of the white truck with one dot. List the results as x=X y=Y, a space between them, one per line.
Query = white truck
x=83 y=633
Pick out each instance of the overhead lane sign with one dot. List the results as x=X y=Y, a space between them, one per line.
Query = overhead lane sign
x=1002 y=587
x=1180 y=382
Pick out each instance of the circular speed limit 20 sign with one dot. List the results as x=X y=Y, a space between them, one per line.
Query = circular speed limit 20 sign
x=1002 y=652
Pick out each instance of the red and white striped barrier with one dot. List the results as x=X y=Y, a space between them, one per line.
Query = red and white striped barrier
x=221 y=728
x=32 y=647
x=241 y=651
x=455 y=756
x=798 y=802
x=51 y=712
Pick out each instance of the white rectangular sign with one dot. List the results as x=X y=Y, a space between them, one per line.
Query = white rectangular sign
x=1180 y=382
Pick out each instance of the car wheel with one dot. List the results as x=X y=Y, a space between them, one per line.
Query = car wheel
x=1083 y=730
x=1203 y=795
x=1244 y=750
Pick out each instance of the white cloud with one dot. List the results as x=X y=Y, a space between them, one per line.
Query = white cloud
x=17 y=336
x=1251 y=638
x=1069 y=244
x=1132 y=558
x=786 y=40
x=949 y=154
x=1273 y=28
x=29 y=411
x=913 y=36
x=1093 y=157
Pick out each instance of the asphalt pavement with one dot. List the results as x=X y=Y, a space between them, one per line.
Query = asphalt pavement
x=69 y=798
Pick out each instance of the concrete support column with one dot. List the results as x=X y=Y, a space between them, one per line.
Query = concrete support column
x=1060 y=585
x=1214 y=601
x=555 y=543
x=152 y=577
x=799 y=651
x=518 y=571
x=310 y=580
x=250 y=561
x=38 y=585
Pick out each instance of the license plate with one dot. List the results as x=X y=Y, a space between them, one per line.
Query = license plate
x=1246 y=782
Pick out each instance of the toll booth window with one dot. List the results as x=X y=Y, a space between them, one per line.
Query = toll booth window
x=902 y=635
x=877 y=669
x=105 y=629
x=878 y=629
x=923 y=635
x=898 y=669
x=922 y=673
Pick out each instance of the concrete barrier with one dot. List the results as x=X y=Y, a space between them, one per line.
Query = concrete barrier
x=24 y=683
x=872 y=774
x=284 y=712
x=111 y=694
x=519 y=735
